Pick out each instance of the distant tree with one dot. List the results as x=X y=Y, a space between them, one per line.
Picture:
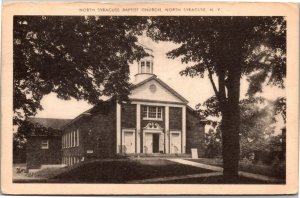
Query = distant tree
x=213 y=143
x=228 y=48
x=256 y=129
x=257 y=125
x=83 y=57
x=19 y=148
x=280 y=107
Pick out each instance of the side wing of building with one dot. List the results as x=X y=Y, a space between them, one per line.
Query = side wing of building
x=90 y=135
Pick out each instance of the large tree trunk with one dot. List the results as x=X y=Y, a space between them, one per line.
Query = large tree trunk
x=230 y=142
x=230 y=126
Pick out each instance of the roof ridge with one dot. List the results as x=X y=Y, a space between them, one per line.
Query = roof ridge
x=51 y=118
x=165 y=85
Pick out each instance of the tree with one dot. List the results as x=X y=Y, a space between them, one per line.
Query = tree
x=228 y=48
x=213 y=143
x=80 y=57
x=256 y=129
x=257 y=125
x=280 y=107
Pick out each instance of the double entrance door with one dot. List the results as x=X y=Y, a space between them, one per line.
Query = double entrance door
x=151 y=143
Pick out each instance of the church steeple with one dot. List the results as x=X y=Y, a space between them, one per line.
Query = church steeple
x=145 y=66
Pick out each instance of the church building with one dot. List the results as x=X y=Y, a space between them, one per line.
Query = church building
x=156 y=121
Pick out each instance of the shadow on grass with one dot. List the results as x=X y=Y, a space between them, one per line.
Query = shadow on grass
x=217 y=180
x=124 y=171
x=278 y=172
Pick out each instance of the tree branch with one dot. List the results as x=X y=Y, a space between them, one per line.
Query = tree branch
x=213 y=84
x=222 y=85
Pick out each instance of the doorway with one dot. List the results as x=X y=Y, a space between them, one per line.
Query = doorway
x=155 y=143
x=128 y=141
x=175 y=144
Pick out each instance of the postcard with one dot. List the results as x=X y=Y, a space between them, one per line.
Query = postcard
x=149 y=98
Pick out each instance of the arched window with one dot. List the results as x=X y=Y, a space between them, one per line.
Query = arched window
x=148 y=69
x=143 y=67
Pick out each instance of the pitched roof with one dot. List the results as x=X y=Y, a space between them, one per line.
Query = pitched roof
x=53 y=123
x=162 y=83
x=89 y=112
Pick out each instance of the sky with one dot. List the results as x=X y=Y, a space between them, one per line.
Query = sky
x=195 y=89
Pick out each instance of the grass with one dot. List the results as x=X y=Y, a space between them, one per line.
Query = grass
x=267 y=170
x=117 y=171
x=125 y=170
x=214 y=180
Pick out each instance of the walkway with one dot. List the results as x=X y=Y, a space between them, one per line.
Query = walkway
x=219 y=169
x=172 y=178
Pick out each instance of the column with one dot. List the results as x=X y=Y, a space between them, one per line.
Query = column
x=183 y=149
x=138 y=128
x=118 y=127
x=144 y=151
x=167 y=130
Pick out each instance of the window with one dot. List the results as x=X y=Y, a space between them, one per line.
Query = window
x=145 y=112
x=152 y=113
x=148 y=67
x=45 y=144
x=143 y=68
x=68 y=137
x=73 y=140
x=77 y=137
x=65 y=140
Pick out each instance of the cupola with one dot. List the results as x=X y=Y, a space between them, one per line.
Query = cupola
x=145 y=66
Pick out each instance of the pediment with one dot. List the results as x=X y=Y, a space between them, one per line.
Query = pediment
x=155 y=89
x=153 y=126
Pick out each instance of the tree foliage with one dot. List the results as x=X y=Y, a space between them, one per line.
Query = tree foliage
x=210 y=44
x=28 y=128
x=79 y=57
x=280 y=107
x=213 y=142
x=257 y=125
x=256 y=130
x=228 y=48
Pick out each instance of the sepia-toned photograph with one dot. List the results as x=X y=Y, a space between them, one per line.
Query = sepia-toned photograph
x=114 y=99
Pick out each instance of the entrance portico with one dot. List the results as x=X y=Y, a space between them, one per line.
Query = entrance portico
x=153 y=135
x=153 y=141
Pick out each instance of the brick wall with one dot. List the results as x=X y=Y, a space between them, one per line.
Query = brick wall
x=97 y=133
x=36 y=156
x=195 y=133
x=83 y=127
x=175 y=117
x=128 y=116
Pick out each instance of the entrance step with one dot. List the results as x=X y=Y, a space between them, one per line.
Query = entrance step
x=159 y=155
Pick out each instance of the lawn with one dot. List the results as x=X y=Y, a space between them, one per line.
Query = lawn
x=117 y=171
x=268 y=170
x=214 y=180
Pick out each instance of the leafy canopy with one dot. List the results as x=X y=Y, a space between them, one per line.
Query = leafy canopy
x=80 y=57
x=257 y=45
